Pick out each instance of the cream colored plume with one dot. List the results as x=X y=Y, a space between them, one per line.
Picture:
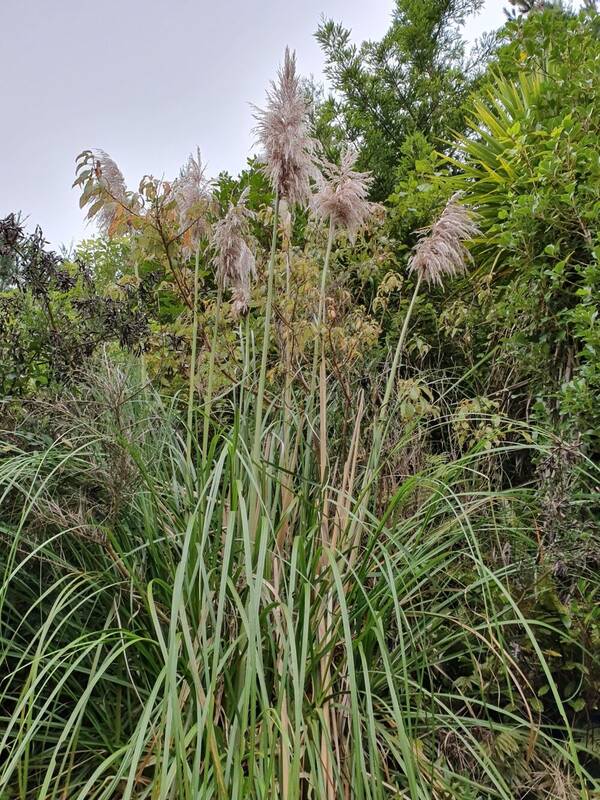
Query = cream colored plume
x=342 y=195
x=441 y=252
x=283 y=131
x=234 y=262
x=111 y=179
x=192 y=196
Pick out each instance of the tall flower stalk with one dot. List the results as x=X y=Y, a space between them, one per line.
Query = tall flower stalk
x=192 y=376
x=235 y=267
x=288 y=455
x=283 y=132
x=260 y=396
x=342 y=200
x=192 y=195
x=439 y=255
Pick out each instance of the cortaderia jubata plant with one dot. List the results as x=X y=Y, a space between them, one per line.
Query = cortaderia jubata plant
x=341 y=200
x=184 y=614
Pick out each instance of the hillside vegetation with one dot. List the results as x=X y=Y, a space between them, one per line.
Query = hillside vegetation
x=299 y=469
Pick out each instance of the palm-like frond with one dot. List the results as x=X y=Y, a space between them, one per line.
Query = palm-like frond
x=492 y=154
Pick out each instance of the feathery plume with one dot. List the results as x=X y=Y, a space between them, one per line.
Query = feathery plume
x=234 y=262
x=111 y=180
x=192 y=194
x=283 y=131
x=441 y=251
x=342 y=196
x=240 y=301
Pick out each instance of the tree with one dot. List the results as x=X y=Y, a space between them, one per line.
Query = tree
x=53 y=316
x=415 y=79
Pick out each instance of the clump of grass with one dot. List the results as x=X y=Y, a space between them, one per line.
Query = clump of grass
x=160 y=659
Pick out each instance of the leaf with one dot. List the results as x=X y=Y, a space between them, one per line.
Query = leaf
x=95 y=208
x=536 y=704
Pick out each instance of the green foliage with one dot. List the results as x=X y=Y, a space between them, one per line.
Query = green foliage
x=415 y=80
x=531 y=168
x=418 y=193
x=52 y=315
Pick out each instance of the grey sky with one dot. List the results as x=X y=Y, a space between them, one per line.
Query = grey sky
x=147 y=81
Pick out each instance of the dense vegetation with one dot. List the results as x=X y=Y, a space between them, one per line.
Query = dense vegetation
x=299 y=469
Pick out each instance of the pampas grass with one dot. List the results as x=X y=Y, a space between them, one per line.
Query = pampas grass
x=342 y=196
x=111 y=179
x=283 y=132
x=252 y=612
x=235 y=266
x=234 y=262
x=192 y=196
x=441 y=253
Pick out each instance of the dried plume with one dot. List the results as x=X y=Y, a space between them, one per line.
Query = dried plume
x=192 y=196
x=240 y=301
x=111 y=180
x=283 y=131
x=441 y=251
x=342 y=196
x=234 y=261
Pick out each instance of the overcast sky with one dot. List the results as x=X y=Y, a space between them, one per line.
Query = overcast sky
x=147 y=81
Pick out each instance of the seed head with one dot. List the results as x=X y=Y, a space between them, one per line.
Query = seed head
x=234 y=262
x=192 y=196
x=342 y=196
x=441 y=251
x=283 y=131
x=111 y=180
